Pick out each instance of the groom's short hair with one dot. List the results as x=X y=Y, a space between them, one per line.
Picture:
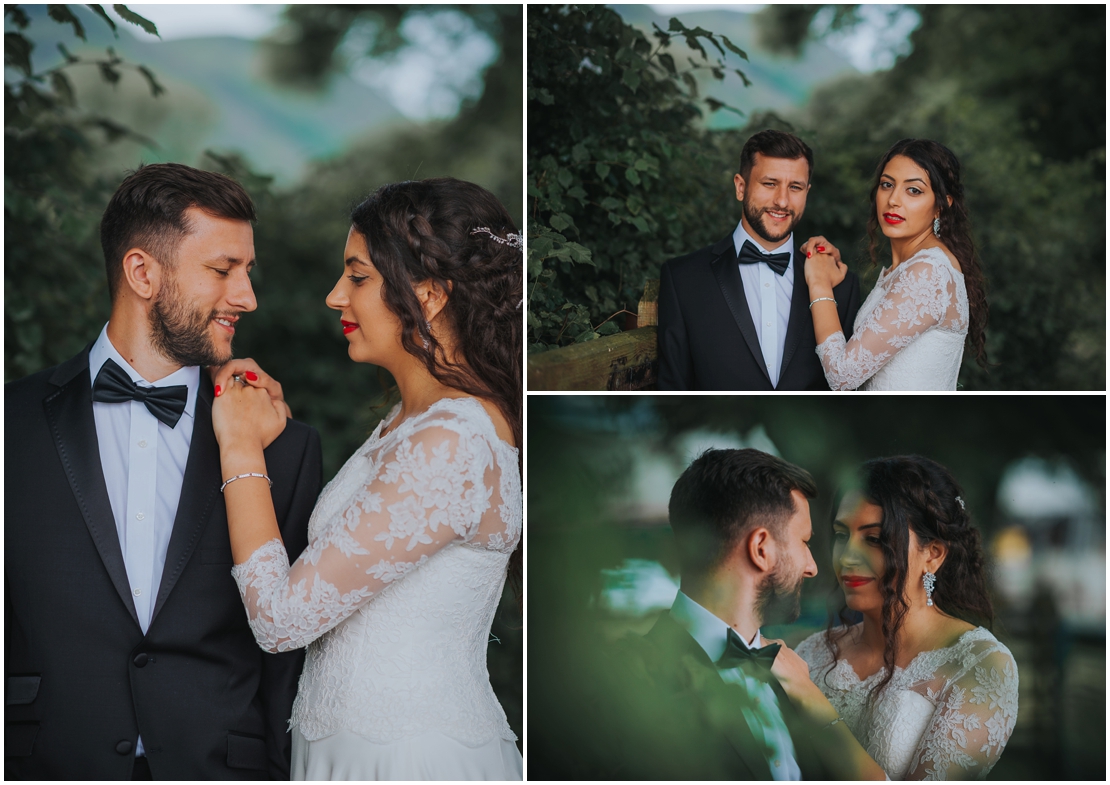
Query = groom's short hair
x=773 y=144
x=723 y=495
x=148 y=211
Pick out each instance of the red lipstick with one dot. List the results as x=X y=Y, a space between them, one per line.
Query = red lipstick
x=348 y=327
x=854 y=581
x=893 y=218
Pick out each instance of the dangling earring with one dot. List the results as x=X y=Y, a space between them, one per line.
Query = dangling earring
x=428 y=329
x=936 y=227
x=929 y=580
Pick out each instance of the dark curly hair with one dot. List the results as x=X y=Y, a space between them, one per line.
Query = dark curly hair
x=943 y=170
x=919 y=494
x=426 y=230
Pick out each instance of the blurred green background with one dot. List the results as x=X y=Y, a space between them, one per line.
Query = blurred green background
x=311 y=107
x=601 y=564
x=637 y=115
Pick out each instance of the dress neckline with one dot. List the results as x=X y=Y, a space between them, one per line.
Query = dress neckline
x=377 y=435
x=886 y=272
x=917 y=656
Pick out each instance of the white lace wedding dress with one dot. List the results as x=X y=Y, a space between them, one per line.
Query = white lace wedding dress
x=946 y=716
x=909 y=333
x=394 y=597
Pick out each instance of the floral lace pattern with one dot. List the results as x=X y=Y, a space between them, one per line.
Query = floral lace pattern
x=947 y=715
x=395 y=594
x=912 y=327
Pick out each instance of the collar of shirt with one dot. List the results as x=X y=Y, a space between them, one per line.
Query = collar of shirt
x=741 y=234
x=103 y=350
x=708 y=630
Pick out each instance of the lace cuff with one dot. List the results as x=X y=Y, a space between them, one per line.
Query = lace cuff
x=265 y=569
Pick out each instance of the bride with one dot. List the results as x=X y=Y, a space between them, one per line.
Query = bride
x=409 y=544
x=925 y=694
x=910 y=332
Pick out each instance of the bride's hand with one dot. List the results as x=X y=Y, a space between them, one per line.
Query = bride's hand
x=251 y=373
x=793 y=674
x=819 y=244
x=823 y=273
x=246 y=417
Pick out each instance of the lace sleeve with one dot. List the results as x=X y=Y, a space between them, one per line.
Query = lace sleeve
x=923 y=296
x=436 y=487
x=974 y=717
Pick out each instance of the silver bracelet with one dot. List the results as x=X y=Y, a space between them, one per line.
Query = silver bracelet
x=241 y=476
x=819 y=299
x=838 y=719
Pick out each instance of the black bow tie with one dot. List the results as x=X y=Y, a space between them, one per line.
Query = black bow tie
x=113 y=385
x=749 y=254
x=737 y=654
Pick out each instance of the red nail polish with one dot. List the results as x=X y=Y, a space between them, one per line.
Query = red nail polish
x=251 y=376
x=217 y=391
x=808 y=254
x=820 y=249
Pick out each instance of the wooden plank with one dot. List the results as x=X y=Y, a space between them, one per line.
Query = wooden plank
x=625 y=361
x=648 y=310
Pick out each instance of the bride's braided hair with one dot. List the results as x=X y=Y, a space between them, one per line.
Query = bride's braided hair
x=920 y=494
x=943 y=169
x=425 y=231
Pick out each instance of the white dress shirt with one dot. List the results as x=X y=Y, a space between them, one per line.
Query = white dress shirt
x=764 y=717
x=768 y=295
x=143 y=461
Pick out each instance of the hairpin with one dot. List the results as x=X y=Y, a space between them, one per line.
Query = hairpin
x=512 y=239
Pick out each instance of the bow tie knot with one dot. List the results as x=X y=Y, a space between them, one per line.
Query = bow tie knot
x=749 y=254
x=739 y=655
x=113 y=385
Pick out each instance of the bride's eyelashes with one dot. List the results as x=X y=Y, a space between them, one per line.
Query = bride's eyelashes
x=912 y=190
x=357 y=279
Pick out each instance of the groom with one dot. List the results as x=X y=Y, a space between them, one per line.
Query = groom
x=699 y=699
x=127 y=649
x=735 y=315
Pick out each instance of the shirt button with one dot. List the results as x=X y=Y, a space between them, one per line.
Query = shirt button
x=139 y=516
x=138 y=592
x=142 y=443
x=776 y=763
x=768 y=324
x=766 y=286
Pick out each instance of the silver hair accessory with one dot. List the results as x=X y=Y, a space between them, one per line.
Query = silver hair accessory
x=930 y=581
x=936 y=226
x=511 y=239
x=960 y=502
x=520 y=304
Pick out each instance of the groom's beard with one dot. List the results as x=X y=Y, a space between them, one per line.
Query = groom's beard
x=755 y=220
x=778 y=600
x=180 y=333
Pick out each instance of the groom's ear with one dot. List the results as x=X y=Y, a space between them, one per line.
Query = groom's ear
x=761 y=550
x=738 y=181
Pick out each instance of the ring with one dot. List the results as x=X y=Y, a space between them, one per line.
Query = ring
x=240 y=379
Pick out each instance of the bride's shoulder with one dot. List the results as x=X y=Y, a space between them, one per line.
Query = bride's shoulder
x=935 y=258
x=815 y=648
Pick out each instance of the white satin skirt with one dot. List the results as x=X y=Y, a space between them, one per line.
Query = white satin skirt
x=429 y=756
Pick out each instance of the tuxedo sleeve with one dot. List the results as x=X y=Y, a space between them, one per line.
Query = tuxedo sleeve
x=280 y=672
x=675 y=364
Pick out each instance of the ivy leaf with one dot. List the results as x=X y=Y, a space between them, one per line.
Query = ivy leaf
x=609 y=328
x=565 y=178
x=632 y=176
x=747 y=82
x=62 y=15
x=155 y=88
x=631 y=79
x=640 y=223
x=127 y=15
x=17 y=52
x=108 y=73
x=733 y=47
x=668 y=62
x=580 y=153
x=609 y=203
x=17 y=16
x=602 y=170
x=66 y=54
x=99 y=10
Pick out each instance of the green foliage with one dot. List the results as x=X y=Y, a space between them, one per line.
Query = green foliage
x=1018 y=96
x=55 y=292
x=619 y=176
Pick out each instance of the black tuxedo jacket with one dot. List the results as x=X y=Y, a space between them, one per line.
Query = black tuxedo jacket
x=708 y=341
x=680 y=720
x=83 y=681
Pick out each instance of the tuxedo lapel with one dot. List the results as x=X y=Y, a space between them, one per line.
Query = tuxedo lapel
x=728 y=278
x=70 y=416
x=799 y=321
x=200 y=490
x=719 y=700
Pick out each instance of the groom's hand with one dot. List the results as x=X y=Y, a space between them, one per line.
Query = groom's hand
x=819 y=244
x=251 y=375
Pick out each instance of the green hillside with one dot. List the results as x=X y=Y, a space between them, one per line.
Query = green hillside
x=216 y=98
x=778 y=82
